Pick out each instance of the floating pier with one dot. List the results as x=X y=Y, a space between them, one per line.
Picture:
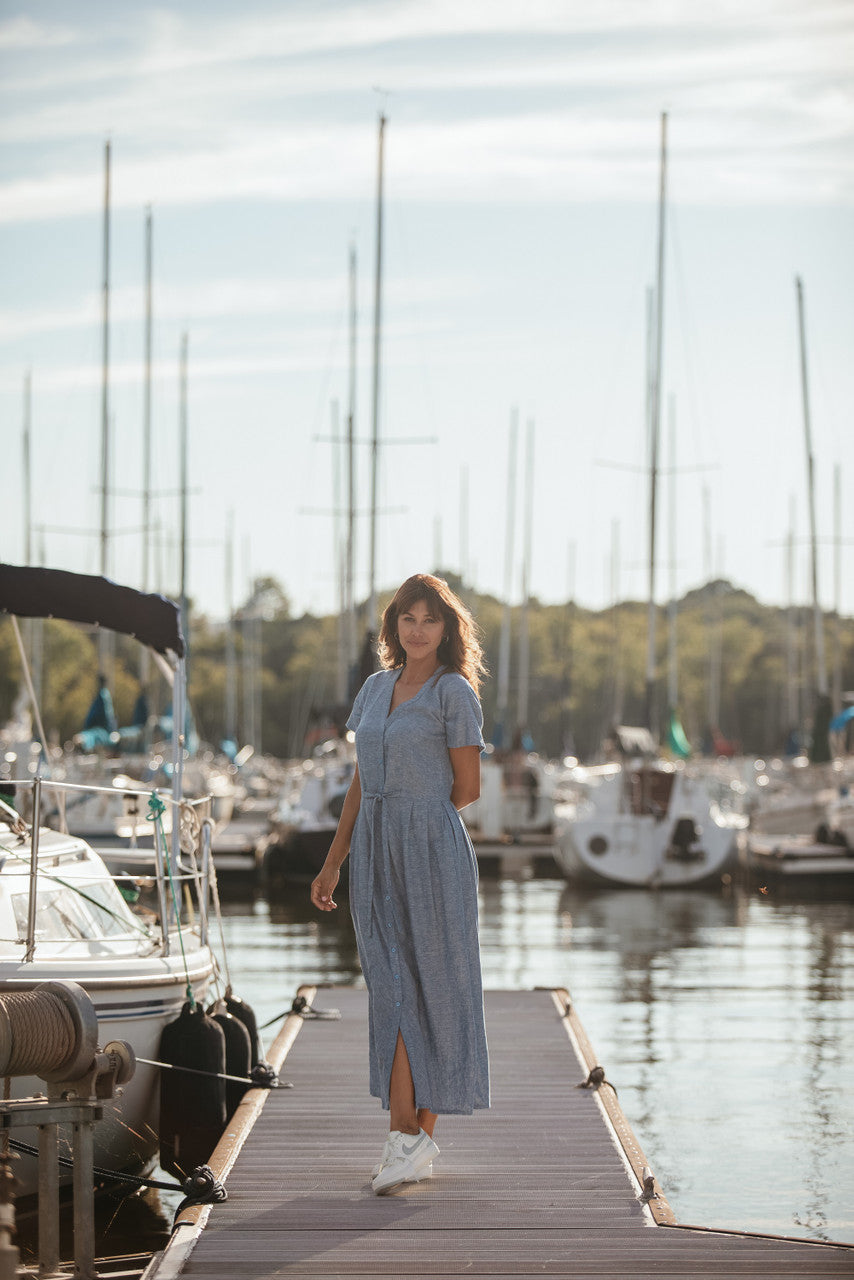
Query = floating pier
x=551 y=1181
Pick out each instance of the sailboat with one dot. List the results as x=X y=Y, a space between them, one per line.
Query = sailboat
x=645 y=821
x=804 y=832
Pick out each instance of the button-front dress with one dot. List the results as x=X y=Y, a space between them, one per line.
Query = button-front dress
x=413 y=892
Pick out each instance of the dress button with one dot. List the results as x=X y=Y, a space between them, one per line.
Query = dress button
x=393 y=950
x=397 y=1004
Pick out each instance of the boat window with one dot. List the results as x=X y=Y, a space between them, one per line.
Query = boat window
x=65 y=914
x=108 y=908
x=58 y=915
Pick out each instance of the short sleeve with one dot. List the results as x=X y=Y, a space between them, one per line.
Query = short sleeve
x=358 y=708
x=462 y=713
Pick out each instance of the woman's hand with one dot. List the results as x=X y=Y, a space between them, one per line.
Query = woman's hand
x=323 y=887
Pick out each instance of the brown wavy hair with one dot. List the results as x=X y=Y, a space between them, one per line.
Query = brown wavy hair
x=459 y=651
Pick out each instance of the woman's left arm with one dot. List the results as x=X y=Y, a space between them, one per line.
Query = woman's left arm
x=465 y=762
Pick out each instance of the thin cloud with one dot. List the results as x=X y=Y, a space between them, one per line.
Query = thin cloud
x=546 y=102
x=21 y=35
x=551 y=155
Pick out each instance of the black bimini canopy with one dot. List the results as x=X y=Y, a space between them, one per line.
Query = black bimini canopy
x=80 y=597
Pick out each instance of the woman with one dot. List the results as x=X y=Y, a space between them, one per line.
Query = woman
x=413 y=874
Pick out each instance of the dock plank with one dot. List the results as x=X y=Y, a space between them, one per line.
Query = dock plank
x=537 y=1185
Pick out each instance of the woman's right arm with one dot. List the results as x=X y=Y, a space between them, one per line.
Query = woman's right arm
x=324 y=884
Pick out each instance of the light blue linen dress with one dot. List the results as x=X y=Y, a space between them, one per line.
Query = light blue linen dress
x=413 y=892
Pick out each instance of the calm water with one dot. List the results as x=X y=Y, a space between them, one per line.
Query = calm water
x=726 y=1024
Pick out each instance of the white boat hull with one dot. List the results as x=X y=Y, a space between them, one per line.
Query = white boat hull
x=604 y=842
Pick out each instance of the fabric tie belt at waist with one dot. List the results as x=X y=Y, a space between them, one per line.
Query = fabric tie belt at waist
x=371 y=800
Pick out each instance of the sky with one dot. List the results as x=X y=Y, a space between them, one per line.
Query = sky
x=521 y=180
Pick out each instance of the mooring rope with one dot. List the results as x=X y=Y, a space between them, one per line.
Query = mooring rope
x=262 y=1076
x=301 y=1007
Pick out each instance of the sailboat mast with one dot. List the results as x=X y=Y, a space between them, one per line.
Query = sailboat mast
x=349 y=591
x=617 y=706
x=672 y=669
x=837 y=586
x=525 y=629
x=820 y=660
x=146 y=442
x=375 y=411
x=713 y=619
x=654 y=424
x=340 y=551
x=105 y=371
x=146 y=416
x=230 y=668
x=793 y=719
x=184 y=478
x=28 y=474
x=503 y=700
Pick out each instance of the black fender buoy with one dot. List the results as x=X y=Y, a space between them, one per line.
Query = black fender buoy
x=244 y=1013
x=238 y=1053
x=192 y=1107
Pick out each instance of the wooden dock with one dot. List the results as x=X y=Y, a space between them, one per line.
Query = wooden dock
x=550 y=1181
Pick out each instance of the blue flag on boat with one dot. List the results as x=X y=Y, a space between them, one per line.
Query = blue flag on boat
x=840 y=721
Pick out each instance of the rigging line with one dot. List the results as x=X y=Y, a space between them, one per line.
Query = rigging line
x=218 y=910
x=156 y=809
x=25 y=666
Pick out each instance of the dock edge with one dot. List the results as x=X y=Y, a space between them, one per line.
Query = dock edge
x=650 y=1193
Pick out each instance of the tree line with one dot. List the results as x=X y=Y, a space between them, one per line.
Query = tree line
x=746 y=665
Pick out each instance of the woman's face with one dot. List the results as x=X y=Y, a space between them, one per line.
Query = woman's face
x=420 y=631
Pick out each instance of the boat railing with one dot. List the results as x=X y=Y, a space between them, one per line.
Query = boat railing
x=193 y=816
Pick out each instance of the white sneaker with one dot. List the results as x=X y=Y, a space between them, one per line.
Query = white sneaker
x=407 y=1157
x=386 y=1156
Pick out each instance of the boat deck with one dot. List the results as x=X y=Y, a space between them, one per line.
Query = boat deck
x=549 y=1181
